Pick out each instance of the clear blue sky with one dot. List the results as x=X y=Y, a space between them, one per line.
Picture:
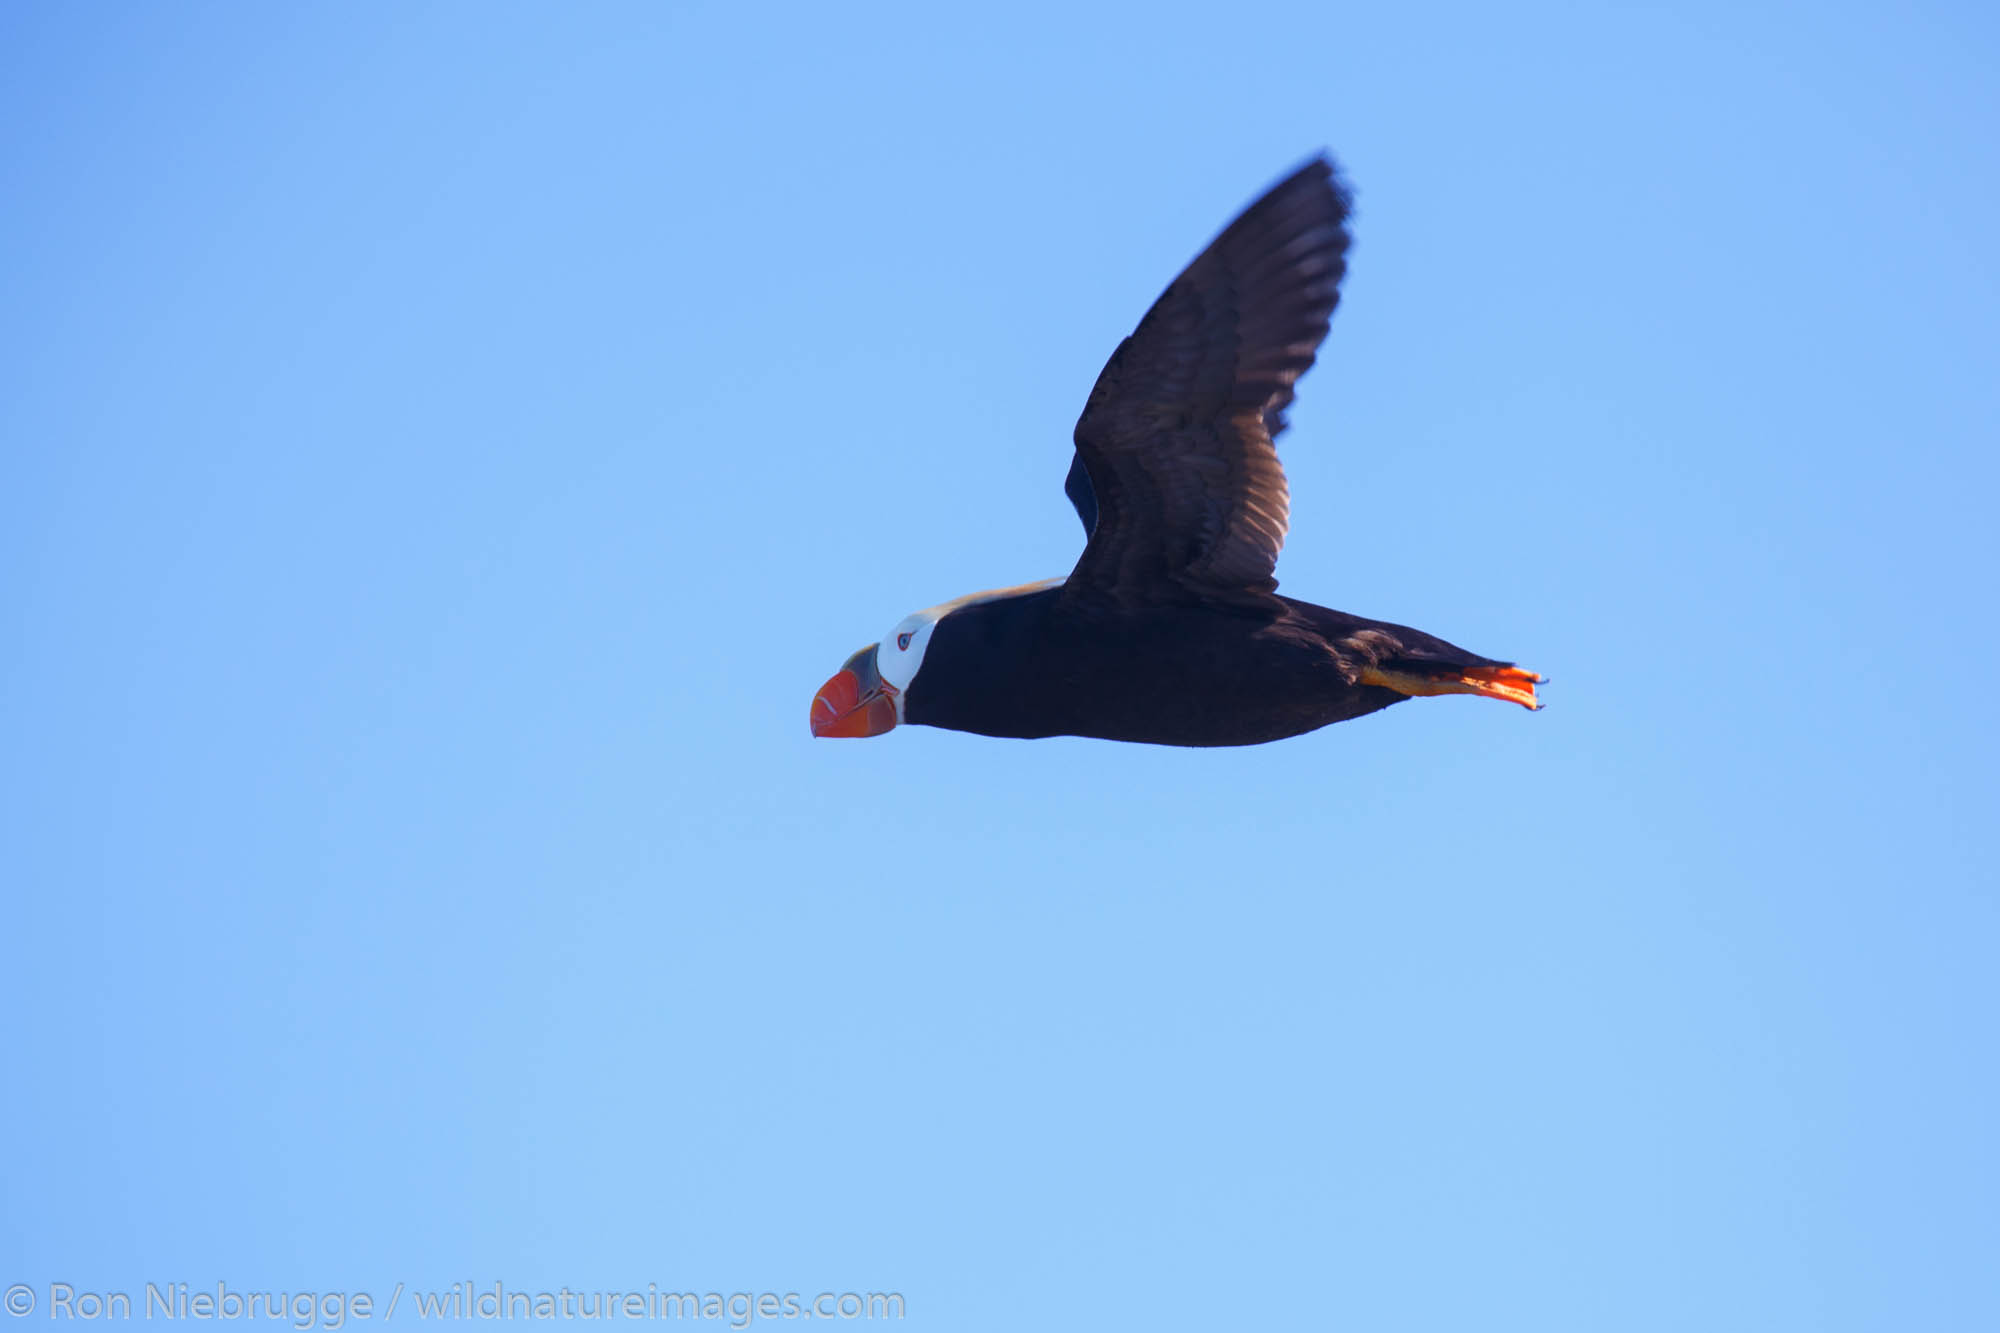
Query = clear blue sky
x=445 y=448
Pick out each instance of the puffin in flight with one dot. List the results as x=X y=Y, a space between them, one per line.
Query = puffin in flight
x=1170 y=629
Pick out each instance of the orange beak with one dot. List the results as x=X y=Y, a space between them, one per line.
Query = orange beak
x=856 y=702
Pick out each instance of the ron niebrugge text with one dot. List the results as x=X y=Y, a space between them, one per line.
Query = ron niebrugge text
x=461 y=1300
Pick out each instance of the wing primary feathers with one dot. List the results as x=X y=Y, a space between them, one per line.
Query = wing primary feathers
x=1176 y=476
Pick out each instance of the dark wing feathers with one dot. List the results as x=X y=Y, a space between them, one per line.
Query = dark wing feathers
x=1175 y=476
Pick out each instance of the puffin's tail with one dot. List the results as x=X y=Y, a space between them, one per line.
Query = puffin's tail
x=1502 y=681
x=1412 y=662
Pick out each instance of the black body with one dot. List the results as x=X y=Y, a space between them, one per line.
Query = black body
x=1227 y=674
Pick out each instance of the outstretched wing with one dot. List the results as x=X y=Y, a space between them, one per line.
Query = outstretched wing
x=1175 y=477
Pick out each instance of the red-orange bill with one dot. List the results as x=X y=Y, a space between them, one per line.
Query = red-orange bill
x=841 y=709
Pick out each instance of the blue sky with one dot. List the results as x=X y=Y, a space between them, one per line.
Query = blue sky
x=445 y=447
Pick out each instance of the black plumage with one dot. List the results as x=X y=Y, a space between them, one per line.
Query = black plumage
x=1176 y=441
x=1175 y=673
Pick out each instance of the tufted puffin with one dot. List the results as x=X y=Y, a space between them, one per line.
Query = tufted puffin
x=1170 y=629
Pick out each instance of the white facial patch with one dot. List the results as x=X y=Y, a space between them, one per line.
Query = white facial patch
x=901 y=651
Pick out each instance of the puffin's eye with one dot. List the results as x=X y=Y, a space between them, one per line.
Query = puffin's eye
x=903 y=641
